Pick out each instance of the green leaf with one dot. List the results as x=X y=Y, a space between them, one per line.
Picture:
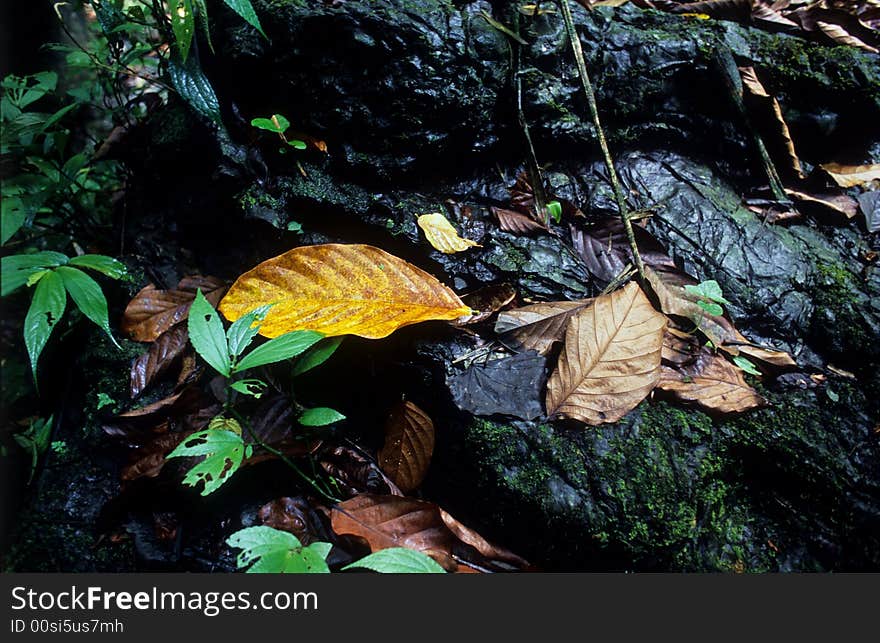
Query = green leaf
x=832 y=395
x=271 y=551
x=223 y=451
x=707 y=290
x=298 y=144
x=204 y=25
x=253 y=387
x=45 y=312
x=244 y=329
x=278 y=349
x=245 y=9
x=294 y=226
x=182 y=24
x=87 y=295
x=320 y=416
x=711 y=308
x=12 y=216
x=747 y=365
x=277 y=124
x=15 y=270
x=193 y=86
x=398 y=560
x=35 y=440
x=554 y=208
x=207 y=336
x=316 y=355
x=109 y=266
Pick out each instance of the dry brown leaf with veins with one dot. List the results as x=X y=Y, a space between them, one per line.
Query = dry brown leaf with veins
x=847 y=176
x=442 y=235
x=161 y=355
x=610 y=360
x=539 y=326
x=712 y=383
x=153 y=311
x=409 y=445
x=516 y=222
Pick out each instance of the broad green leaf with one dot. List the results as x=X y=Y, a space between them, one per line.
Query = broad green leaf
x=87 y=295
x=182 y=24
x=223 y=451
x=398 y=560
x=245 y=9
x=36 y=276
x=271 y=551
x=278 y=349
x=45 y=312
x=109 y=266
x=708 y=290
x=298 y=144
x=207 y=336
x=253 y=387
x=277 y=124
x=12 y=216
x=244 y=329
x=193 y=86
x=710 y=307
x=316 y=355
x=554 y=208
x=746 y=364
x=15 y=270
x=320 y=416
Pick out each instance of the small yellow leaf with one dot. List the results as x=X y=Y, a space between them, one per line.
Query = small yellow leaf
x=442 y=235
x=338 y=289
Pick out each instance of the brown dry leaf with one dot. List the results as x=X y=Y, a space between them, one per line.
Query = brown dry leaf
x=149 y=459
x=487 y=301
x=409 y=445
x=487 y=549
x=357 y=473
x=610 y=360
x=847 y=176
x=158 y=359
x=442 y=236
x=395 y=521
x=154 y=311
x=777 y=359
x=836 y=205
x=338 y=289
x=771 y=105
x=712 y=383
x=539 y=326
x=516 y=222
x=678 y=347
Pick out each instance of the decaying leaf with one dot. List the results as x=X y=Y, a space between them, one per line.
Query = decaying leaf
x=357 y=473
x=441 y=235
x=487 y=301
x=678 y=347
x=338 y=289
x=847 y=176
x=409 y=445
x=395 y=521
x=539 y=326
x=154 y=311
x=770 y=105
x=147 y=462
x=835 y=205
x=516 y=222
x=509 y=386
x=487 y=549
x=161 y=355
x=610 y=360
x=296 y=516
x=712 y=383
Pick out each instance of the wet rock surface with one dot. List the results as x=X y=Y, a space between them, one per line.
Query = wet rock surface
x=416 y=105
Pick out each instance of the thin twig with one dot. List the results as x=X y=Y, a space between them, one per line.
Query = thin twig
x=600 y=134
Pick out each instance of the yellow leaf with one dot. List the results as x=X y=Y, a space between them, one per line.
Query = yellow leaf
x=610 y=360
x=338 y=289
x=442 y=235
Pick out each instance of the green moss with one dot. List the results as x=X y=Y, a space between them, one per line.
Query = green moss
x=839 y=323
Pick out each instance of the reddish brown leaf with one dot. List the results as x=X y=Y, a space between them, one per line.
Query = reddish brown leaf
x=487 y=549
x=487 y=301
x=356 y=473
x=148 y=461
x=159 y=358
x=296 y=516
x=393 y=521
x=712 y=383
x=409 y=444
x=516 y=222
x=153 y=311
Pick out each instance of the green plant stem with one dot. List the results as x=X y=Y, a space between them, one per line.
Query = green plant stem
x=600 y=134
x=278 y=454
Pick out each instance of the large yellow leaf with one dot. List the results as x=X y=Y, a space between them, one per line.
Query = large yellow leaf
x=610 y=360
x=440 y=234
x=338 y=289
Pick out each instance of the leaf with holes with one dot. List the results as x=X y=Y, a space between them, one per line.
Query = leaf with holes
x=441 y=235
x=610 y=360
x=223 y=451
x=398 y=560
x=46 y=309
x=337 y=289
x=271 y=551
x=409 y=444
